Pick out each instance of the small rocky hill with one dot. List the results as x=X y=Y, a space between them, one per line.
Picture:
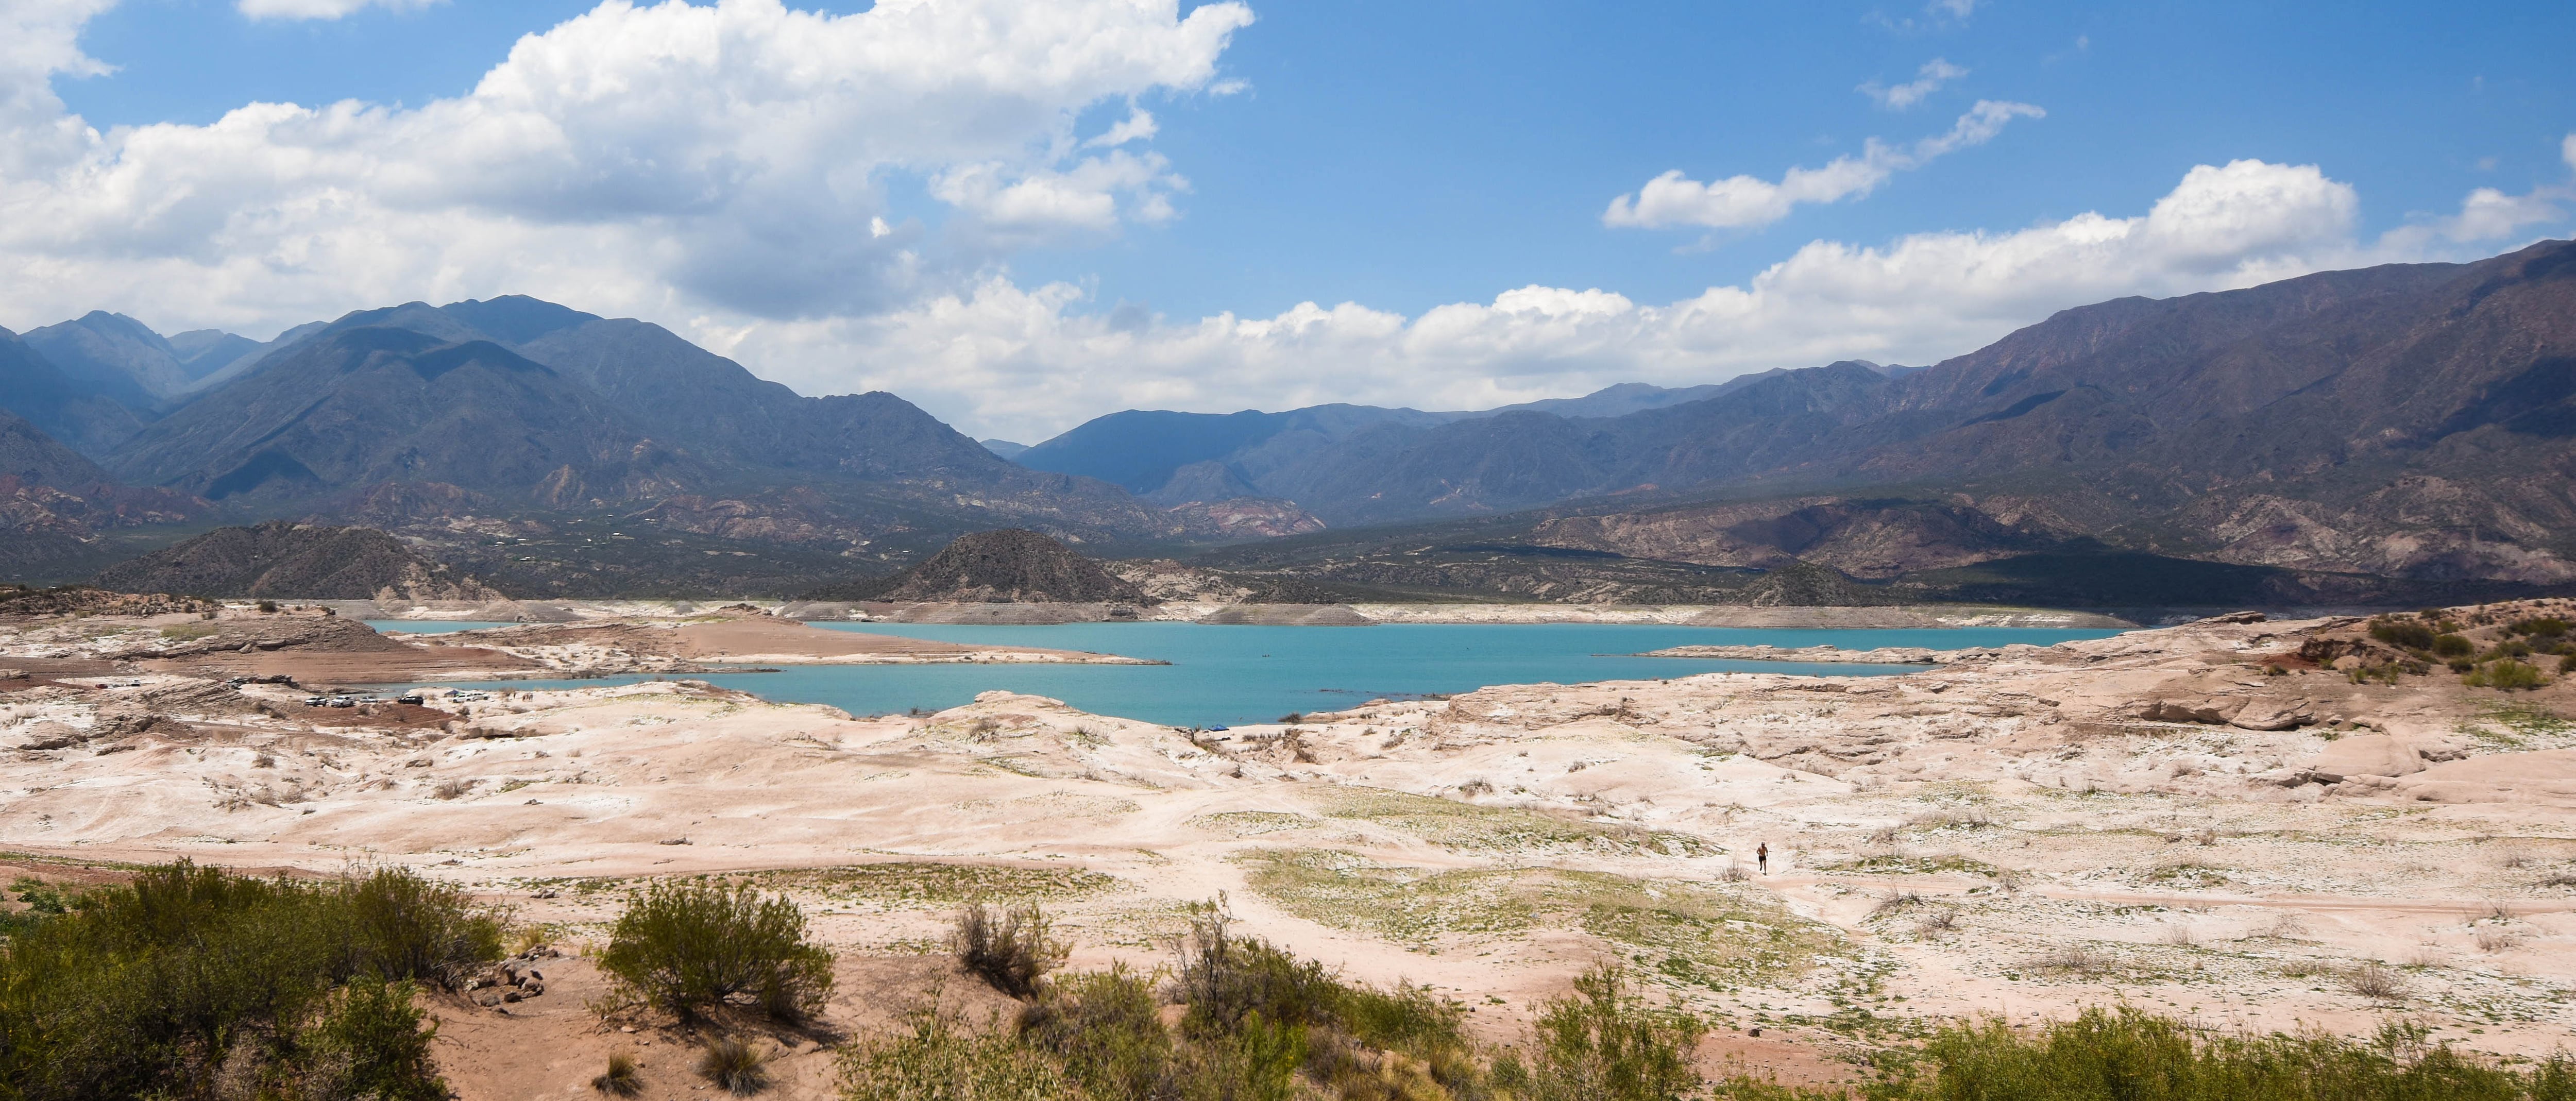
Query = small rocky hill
x=297 y=561
x=994 y=567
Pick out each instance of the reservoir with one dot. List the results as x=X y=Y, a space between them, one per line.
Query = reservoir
x=1222 y=675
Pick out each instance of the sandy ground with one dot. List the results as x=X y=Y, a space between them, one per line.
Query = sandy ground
x=2158 y=818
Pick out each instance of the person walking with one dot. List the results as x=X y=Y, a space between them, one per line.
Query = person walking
x=1762 y=857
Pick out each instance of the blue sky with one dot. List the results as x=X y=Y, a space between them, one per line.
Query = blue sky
x=1404 y=159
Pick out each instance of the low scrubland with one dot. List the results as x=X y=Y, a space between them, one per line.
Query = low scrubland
x=194 y=982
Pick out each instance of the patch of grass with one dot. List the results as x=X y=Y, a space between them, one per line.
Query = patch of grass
x=1909 y=864
x=928 y=885
x=188 y=632
x=684 y=948
x=734 y=1066
x=2514 y=726
x=1468 y=827
x=1011 y=950
x=1406 y=905
x=624 y=1077
x=2184 y=873
x=1699 y=934
x=1253 y=823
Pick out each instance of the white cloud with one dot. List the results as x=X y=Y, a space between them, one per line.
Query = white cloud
x=2489 y=214
x=320 y=9
x=1025 y=363
x=1927 y=80
x=1747 y=202
x=1138 y=126
x=728 y=156
x=1955 y=9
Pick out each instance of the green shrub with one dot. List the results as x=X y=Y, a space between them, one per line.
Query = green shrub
x=1107 y=1028
x=2540 y=625
x=684 y=948
x=936 y=1060
x=1604 y=1043
x=1225 y=979
x=2131 y=1054
x=159 y=986
x=368 y=1042
x=1010 y=950
x=2412 y=636
x=2453 y=646
x=2506 y=674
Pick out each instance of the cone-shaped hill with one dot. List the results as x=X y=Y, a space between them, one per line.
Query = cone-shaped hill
x=998 y=567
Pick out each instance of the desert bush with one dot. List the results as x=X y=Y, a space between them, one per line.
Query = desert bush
x=2376 y=981
x=2412 y=636
x=2081 y=959
x=1225 y=979
x=2453 y=646
x=734 y=1066
x=684 y=948
x=1604 y=1043
x=1107 y=1028
x=368 y=1042
x=623 y=1077
x=2506 y=674
x=2539 y=625
x=2132 y=1054
x=936 y=1058
x=187 y=975
x=1010 y=950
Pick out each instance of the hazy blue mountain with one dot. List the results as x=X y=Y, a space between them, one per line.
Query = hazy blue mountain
x=1004 y=448
x=69 y=411
x=1140 y=449
x=31 y=457
x=113 y=356
x=203 y=352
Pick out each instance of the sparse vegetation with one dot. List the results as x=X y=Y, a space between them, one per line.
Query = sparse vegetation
x=2132 y=1054
x=2376 y=981
x=2504 y=673
x=623 y=1077
x=685 y=948
x=1011 y=950
x=1604 y=1043
x=189 y=976
x=734 y=1066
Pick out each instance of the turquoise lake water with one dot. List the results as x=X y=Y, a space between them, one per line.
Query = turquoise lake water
x=1236 y=674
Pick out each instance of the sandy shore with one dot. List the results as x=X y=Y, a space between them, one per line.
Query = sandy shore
x=2155 y=818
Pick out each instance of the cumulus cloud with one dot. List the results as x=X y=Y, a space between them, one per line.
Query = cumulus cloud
x=320 y=9
x=1028 y=362
x=1748 y=202
x=728 y=156
x=1927 y=80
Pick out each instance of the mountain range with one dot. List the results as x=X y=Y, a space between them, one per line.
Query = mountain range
x=2403 y=421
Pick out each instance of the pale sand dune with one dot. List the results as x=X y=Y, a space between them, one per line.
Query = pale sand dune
x=1491 y=844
